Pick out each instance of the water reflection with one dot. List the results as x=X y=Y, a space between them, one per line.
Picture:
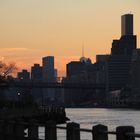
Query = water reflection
x=110 y=117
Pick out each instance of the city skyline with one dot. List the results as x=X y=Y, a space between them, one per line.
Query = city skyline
x=29 y=30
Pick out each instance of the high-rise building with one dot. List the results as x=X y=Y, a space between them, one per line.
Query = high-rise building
x=55 y=74
x=118 y=66
x=135 y=69
x=82 y=71
x=36 y=72
x=36 y=76
x=128 y=42
x=48 y=69
x=101 y=66
x=76 y=68
x=48 y=76
x=124 y=46
x=127 y=24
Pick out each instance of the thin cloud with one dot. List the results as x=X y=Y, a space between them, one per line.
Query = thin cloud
x=14 y=49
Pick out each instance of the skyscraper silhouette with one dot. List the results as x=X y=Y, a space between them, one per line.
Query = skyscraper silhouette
x=36 y=72
x=121 y=52
x=127 y=24
x=127 y=43
x=48 y=69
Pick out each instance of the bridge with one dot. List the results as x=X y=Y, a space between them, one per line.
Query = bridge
x=72 y=85
x=31 y=84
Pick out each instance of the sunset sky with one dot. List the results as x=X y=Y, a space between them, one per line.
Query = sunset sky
x=32 y=29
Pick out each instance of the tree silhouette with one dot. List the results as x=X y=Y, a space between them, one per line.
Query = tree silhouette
x=6 y=69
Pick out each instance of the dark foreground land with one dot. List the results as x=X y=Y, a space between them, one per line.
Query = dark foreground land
x=56 y=114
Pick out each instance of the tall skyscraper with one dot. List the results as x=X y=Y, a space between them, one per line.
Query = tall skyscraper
x=128 y=42
x=48 y=76
x=127 y=24
x=118 y=66
x=48 y=69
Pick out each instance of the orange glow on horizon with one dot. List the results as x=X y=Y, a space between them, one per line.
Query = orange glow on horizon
x=60 y=62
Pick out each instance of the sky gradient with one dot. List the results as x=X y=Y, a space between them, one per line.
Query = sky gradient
x=32 y=29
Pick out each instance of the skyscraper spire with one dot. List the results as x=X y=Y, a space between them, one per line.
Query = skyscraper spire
x=83 y=49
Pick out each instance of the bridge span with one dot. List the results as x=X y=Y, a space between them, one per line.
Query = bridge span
x=31 y=84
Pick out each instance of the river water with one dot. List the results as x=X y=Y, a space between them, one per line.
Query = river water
x=110 y=117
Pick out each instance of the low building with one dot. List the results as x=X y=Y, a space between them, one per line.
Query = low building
x=23 y=75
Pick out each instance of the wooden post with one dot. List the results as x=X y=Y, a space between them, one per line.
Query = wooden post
x=73 y=131
x=33 y=130
x=19 y=130
x=122 y=130
x=10 y=130
x=98 y=132
x=1 y=126
x=2 y=129
x=10 y=127
x=5 y=131
x=50 y=131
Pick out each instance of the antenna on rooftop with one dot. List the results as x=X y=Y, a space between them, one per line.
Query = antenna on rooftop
x=83 y=49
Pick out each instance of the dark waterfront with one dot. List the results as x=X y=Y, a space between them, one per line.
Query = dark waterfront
x=93 y=116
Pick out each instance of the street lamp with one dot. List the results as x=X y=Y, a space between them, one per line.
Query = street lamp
x=18 y=94
x=18 y=98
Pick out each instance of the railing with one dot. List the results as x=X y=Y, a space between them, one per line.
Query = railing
x=15 y=130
